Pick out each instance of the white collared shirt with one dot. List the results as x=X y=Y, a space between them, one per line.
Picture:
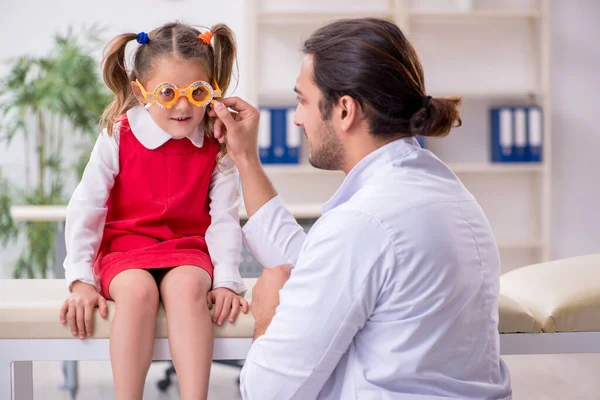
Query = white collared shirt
x=394 y=294
x=86 y=211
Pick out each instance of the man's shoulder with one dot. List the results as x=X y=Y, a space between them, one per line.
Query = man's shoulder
x=348 y=221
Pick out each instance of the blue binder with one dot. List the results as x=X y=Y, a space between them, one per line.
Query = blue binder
x=535 y=134
x=520 y=134
x=502 y=129
x=278 y=135
x=293 y=138
x=264 y=136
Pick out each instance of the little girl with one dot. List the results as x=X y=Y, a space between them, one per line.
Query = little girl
x=156 y=213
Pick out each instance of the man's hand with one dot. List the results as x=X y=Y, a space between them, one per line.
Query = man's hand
x=78 y=309
x=226 y=303
x=238 y=129
x=265 y=296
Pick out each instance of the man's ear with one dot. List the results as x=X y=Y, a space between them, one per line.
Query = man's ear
x=348 y=112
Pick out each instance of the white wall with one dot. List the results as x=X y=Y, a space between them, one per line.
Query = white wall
x=27 y=26
x=575 y=81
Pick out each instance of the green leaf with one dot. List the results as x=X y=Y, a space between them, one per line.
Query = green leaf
x=64 y=85
x=8 y=228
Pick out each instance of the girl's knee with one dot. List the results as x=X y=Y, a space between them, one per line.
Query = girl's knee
x=188 y=285
x=136 y=290
x=145 y=294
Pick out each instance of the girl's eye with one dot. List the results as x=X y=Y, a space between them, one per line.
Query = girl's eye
x=200 y=93
x=167 y=92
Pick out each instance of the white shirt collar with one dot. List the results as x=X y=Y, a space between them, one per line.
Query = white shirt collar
x=368 y=167
x=150 y=135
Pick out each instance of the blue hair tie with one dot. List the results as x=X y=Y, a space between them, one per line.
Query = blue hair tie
x=142 y=38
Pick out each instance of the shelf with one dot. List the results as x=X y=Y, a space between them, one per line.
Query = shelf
x=490 y=94
x=307 y=17
x=287 y=98
x=312 y=18
x=38 y=213
x=278 y=98
x=458 y=168
x=59 y=213
x=496 y=168
x=523 y=244
x=297 y=169
x=474 y=15
x=299 y=211
x=302 y=211
x=522 y=35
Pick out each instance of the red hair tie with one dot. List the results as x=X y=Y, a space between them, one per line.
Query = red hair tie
x=206 y=36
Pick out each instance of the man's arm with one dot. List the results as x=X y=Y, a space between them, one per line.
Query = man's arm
x=330 y=295
x=265 y=296
x=272 y=234
x=239 y=131
x=257 y=189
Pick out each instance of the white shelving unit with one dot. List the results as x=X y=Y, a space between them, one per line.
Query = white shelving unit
x=59 y=213
x=477 y=15
x=495 y=53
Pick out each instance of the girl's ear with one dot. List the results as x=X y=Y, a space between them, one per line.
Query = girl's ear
x=137 y=92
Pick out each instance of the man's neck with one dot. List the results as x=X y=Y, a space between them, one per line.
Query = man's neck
x=362 y=147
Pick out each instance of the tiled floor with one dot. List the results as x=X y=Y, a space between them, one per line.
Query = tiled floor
x=569 y=377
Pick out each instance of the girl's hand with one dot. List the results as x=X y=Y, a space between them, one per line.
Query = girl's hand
x=226 y=303
x=78 y=309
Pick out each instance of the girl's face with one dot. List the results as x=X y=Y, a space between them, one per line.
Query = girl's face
x=183 y=117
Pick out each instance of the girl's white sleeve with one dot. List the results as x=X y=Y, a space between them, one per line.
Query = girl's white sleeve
x=224 y=235
x=87 y=209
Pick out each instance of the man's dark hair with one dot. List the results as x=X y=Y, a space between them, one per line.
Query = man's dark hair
x=370 y=60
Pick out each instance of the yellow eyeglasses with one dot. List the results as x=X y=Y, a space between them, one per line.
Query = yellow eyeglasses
x=166 y=94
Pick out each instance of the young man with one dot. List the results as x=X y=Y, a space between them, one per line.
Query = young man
x=394 y=292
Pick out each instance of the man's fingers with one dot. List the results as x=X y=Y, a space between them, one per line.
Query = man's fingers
x=236 y=104
x=218 y=308
x=219 y=129
x=244 y=306
x=209 y=300
x=235 y=310
x=224 y=115
x=226 y=309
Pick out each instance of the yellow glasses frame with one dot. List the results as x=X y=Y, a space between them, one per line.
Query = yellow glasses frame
x=181 y=92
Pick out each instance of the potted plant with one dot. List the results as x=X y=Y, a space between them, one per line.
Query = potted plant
x=48 y=101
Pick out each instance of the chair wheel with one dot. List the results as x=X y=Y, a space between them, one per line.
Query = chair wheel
x=163 y=385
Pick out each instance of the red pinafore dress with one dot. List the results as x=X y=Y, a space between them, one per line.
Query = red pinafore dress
x=158 y=208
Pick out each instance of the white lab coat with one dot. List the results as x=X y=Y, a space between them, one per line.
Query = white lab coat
x=394 y=294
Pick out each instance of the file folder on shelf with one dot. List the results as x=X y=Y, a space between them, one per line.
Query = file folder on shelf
x=502 y=139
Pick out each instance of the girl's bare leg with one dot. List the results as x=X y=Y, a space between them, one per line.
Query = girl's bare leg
x=184 y=293
x=135 y=293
